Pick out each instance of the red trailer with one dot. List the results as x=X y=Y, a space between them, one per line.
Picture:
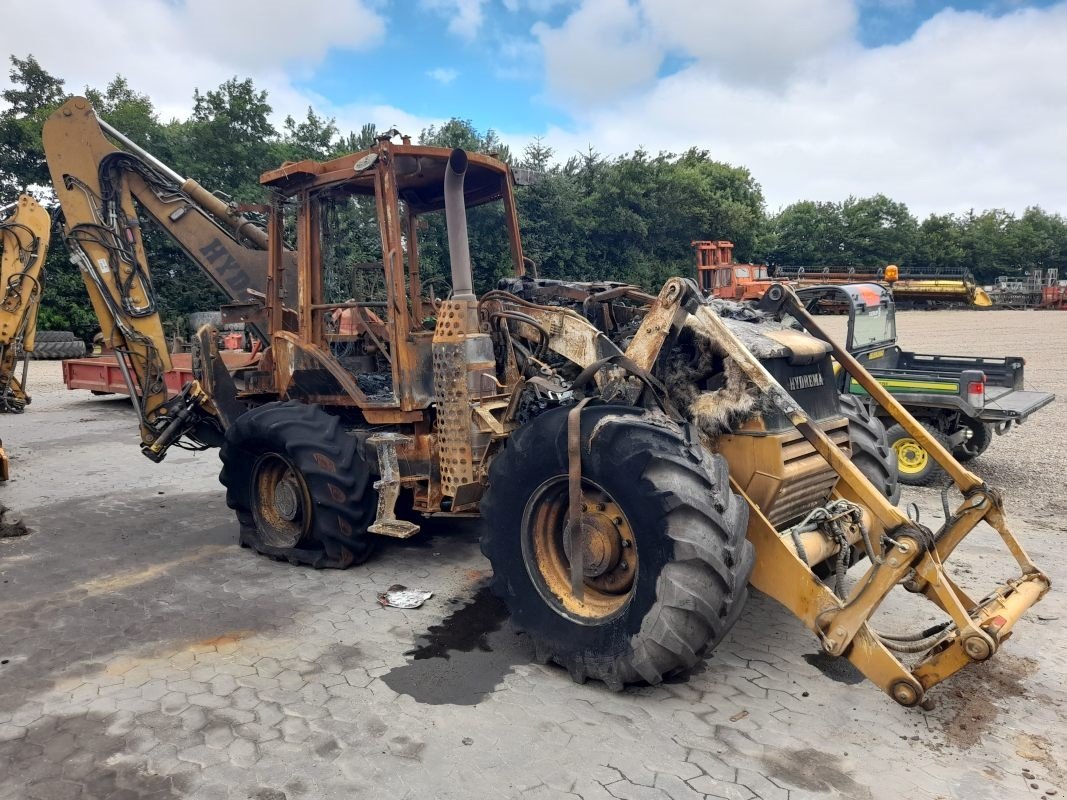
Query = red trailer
x=101 y=374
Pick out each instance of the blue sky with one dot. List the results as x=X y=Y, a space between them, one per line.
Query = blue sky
x=497 y=78
x=944 y=106
x=887 y=22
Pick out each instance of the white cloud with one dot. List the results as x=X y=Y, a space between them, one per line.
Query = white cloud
x=968 y=112
x=260 y=33
x=165 y=49
x=607 y=48
x=443 y=75
x=601 y=52
x=758 y=40
x=465 y=17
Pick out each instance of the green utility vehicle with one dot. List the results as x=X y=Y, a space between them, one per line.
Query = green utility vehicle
x=962 y=400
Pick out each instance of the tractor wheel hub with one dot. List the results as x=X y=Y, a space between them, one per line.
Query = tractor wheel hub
x=601 y=547
x=286 y=502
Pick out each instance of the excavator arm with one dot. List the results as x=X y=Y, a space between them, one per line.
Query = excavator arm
x=25 y=229
x=101 y=187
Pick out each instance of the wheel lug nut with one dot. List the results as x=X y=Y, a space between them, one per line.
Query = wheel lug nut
x=617 y=521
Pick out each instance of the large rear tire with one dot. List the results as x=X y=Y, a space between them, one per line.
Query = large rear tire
x=667 y=561
x=871 y=451
x=300 y=486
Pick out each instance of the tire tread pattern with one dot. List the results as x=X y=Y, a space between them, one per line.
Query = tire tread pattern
x=52 y=350
x=343 y=499
x=701 y=589
x=870 y=447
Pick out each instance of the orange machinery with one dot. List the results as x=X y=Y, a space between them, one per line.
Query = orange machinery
x=719 y=276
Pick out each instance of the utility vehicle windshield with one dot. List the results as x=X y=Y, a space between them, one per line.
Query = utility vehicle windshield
x=873 y=325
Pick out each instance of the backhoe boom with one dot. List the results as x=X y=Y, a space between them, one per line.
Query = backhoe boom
x=101 y=189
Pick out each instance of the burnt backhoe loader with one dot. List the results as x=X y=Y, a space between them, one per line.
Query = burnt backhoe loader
x=25 y=229
x=638 y=460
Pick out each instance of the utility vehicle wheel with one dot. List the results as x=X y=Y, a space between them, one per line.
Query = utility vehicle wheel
x=666 y=561
x=914 y=465
x=300 y=486
x=870 y=447
x=981 y=438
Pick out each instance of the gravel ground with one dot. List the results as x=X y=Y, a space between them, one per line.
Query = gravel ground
x=45 y=377
x=143 y=654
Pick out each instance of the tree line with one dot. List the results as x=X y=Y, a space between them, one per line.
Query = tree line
x=629 y=218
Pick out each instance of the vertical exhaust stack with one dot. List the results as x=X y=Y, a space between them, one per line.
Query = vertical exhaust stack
x=464 y=365
x=459 y=251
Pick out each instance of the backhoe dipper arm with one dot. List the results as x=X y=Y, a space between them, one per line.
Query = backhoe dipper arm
x=96 y=184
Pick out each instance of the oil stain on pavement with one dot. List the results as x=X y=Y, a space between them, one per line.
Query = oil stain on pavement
x=464 y=658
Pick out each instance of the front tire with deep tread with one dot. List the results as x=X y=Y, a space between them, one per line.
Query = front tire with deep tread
x=693 y=560
x=331 y=465
x=871 y=451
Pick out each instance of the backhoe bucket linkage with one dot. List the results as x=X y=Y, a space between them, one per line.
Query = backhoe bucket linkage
x=907 y=553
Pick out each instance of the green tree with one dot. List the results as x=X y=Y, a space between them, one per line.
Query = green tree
x=987 y=251
x=314 y=138
x=130 y=113
x=940 y=245
x=808 y=233
x=490 y=253
x=354 y=142
x=33 y=95
x=229 y=140
x=877 y=231
x=1038 y=240
x=462 y=133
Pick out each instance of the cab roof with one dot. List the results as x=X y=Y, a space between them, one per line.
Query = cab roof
x=419 y=173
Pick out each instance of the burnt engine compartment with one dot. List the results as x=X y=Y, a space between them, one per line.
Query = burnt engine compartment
x=700 y=380
x=769 y=458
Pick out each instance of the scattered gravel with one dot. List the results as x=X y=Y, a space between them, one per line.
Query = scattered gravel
x=44 y=377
